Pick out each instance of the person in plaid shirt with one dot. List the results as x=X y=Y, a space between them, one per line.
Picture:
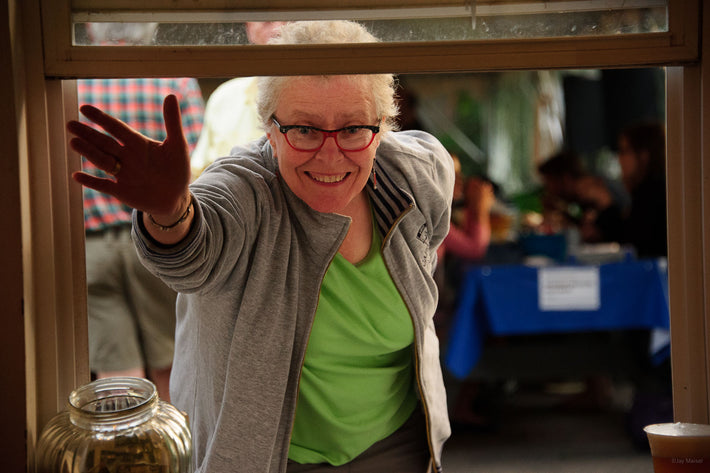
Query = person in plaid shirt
x=131 y=312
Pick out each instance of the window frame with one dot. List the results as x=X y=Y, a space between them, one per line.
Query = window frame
x=62 y=59
x=54 y=311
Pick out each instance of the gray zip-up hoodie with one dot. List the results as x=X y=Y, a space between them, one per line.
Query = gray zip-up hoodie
x=249 y=274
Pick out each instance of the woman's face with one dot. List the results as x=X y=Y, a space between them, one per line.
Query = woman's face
x=327 y=179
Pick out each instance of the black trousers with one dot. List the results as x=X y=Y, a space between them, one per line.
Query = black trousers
x=405 y=451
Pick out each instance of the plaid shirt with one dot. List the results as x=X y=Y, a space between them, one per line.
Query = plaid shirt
x=138 y=103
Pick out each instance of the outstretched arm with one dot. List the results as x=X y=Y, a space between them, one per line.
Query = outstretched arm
x=148 y=175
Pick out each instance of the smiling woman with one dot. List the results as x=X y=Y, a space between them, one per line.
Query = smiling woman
x=305 y=286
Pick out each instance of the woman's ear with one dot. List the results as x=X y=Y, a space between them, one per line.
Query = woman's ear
x=376 y=142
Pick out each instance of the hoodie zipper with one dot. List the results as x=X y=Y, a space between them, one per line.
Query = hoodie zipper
x=303 y=358
x=416 y=351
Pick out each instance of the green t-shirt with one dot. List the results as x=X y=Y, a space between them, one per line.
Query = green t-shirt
x=356 y=383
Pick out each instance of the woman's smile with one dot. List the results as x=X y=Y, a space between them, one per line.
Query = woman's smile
x=329 y=179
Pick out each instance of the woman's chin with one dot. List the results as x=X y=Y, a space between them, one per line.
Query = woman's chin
x=331 y=200
x=327 y=207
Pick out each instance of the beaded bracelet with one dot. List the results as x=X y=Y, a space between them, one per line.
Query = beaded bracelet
x=167 y=228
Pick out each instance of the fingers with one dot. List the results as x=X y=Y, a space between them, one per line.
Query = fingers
x=124 y=133
x=173 y=120
x=107 y=161
x=107 y=186
x=86 y=134
x=104 y=151
x=147 y=172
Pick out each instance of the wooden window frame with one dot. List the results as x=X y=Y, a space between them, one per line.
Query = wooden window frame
x=677 y=46
x=52 y=306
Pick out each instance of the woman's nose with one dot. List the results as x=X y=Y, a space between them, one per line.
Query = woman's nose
x=329 y=146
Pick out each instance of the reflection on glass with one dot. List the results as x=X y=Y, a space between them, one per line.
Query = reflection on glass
x=600 y=22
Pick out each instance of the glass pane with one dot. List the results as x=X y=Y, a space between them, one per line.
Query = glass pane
x=550 y=19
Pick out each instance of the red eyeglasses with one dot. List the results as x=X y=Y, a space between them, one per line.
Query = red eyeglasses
x=310 y=138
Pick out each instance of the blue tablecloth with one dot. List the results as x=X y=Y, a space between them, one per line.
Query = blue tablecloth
x=504 y=300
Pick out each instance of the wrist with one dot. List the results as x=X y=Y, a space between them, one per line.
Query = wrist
x=171 y=223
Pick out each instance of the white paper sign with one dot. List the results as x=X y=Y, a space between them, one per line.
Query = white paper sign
x=568 y=288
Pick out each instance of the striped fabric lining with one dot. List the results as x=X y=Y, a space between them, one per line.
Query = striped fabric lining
x=389 y=201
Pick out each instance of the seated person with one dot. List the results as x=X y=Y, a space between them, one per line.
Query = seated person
x=643 y=225
x=470 y=232
x=574 y=197
x=468 y=238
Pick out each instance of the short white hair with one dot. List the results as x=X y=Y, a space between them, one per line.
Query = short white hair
x=382 y=86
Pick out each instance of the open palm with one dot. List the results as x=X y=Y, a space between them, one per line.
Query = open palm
x=148 y=175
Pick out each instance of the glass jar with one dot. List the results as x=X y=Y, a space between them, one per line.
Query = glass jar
x=116 y=425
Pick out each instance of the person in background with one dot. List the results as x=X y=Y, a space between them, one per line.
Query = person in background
x=571 y=196
x=131 y=312
x=230 y=114
x=304 y=264
x=468 y=238
x=466 y=242
x=642 y=157
x=470 y=232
